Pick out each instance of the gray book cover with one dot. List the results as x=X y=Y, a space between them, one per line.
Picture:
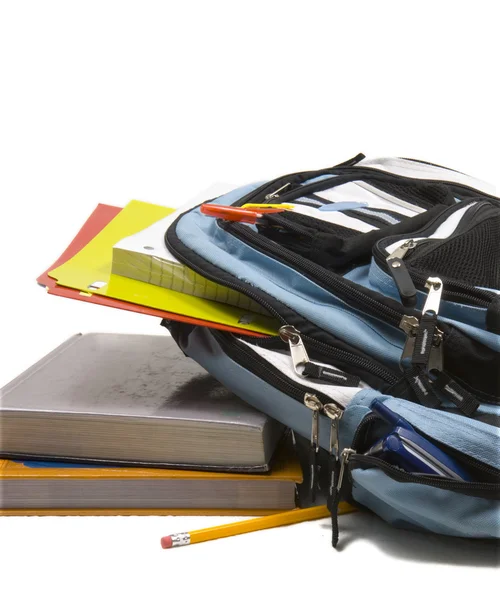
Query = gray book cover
x=131 y=399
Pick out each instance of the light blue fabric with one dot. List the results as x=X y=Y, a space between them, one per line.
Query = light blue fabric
x=384 y=216
x=318 y=178
x=290 y=287
x=402 y=504
x=471 y=437
x=422 y=506
x=338 y=206
x=200 y=345
x=469 y=319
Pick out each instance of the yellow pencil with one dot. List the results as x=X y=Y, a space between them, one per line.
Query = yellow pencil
x=285 y=518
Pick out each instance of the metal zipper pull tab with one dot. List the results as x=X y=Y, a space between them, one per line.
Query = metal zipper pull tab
x=305 y=368
x=428 y=338
x=435 y=287
x=344 y=459
x=402 y=279
x=276 y=193
x=334 y=413
x=401 y=251
x=312 y=402
x=334 y=508
x=410 y=326
x=300 y=358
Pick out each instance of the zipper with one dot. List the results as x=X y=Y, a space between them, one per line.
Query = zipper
x=424 y=332
x=271 y=186
x=276 y=194
x=332 y=354
x=490 y=490
x=327 y=279
x=416 y=328
x=315 y=405
x=402 y=279
x=473 y=463
x=407 y=283
x=347 y=175
x=305 y=368
x=317 y=402
x=252 y=361
x=334 y=413
x=350 y=457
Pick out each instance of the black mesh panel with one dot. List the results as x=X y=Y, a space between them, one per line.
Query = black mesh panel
x=472 y=258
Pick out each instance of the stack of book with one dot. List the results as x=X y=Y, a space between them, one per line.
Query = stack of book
x=126 y=424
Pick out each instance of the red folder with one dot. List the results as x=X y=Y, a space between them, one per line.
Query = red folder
x=101 y=216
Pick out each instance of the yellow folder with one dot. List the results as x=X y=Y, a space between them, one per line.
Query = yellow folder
x=90 y=271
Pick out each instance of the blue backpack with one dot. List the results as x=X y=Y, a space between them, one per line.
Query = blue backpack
x=384 y=276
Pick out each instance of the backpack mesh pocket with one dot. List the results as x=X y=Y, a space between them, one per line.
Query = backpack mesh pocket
x=472 y=258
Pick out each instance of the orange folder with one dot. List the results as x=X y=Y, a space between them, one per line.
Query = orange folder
x=101 y=216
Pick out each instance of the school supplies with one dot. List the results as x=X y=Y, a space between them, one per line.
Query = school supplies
x=279 y=520
x=89 y=271
x=131 y=399
x=48 y=488
x=391 y=295
x=100 y=217
x=239 y=215
x=144 y=257
x=405 y=448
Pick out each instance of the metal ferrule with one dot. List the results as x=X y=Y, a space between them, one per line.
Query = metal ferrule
x=180 y=539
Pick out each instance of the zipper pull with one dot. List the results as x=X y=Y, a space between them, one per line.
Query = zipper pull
x=276 y=193
x=423 y=346
x=312 y=402
x=304 y=367
x=427 y=351
x=400 y=251
x=333 y=412
x=410 y=326
x=404 y=283
x=332 y=376
x=334 y=509
x=435 y=287
x=402 y=279
x=344 y=459
x=300 y=358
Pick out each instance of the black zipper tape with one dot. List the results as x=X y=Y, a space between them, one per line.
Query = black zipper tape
x=388 y=310
x=453 y=290
x=470 y=488
x=360 y=441
x=339 y=355
x=342 y=175
x=250 y=360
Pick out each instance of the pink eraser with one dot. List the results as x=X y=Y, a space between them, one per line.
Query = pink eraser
x=166 y=542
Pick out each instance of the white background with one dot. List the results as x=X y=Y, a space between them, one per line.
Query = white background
x=109 y=101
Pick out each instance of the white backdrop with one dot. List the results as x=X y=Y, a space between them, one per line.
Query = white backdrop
x=109 y=101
